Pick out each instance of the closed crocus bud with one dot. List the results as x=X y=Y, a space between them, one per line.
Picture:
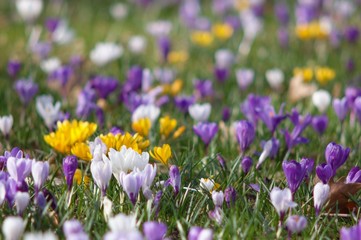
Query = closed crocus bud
x=319 y=123
x=230 y=196
x=217 y=198
x=102 y=172
x=308 y=165
x=321 y=99
x=246 y=164
x=321 y=193
x=244 y=78
x=154 y=230
x=294 y=173
x=29 y=10
x=13 y=228
x=131 y=182
x=198 y=233
x=40 y=172
x=200 y=112
x=13 y=68
x=340 y=108
x=21 y=201
x=324 y=172
x=351 y=233
x=354 y=176
x=336 y=155
x=357 y=108
x=70 y=164
x=267 y=150
x=282 y=201
x=174 y=178
x=245 y=134
x=26 y=90
x=275 y=78
x=206 y=131
x=296 y=224
x=6 y=123
x=226 y=114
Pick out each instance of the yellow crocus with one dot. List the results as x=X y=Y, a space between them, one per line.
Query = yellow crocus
x=82 y=151
x=174 y=88
x=324 y=74
x=79 y=178
x=167 y=125
x=161 y=154
x=222 y=31
x=142 y=126
x=305 y=73
x=202 y=38
x=136 y=142
x=176 y=57
x=179 y=132
x=68 y=134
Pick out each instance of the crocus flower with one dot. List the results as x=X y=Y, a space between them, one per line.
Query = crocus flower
x=282 y=13
x=48 y=235
x=253 y=105
x=340 y=108
x=206 y=131
x=351 y=233
x=296 y=224
x=164 y=45
x=62 y=74
x=6 y=123
x=226 y=114
x=198 y=233
x=217 y=198
x=352 y=34
x=70 y=164
x=203 y=88
x=103 y=85
x=148 y=175
x=294 y=173
x=321 y=99
x=131 y=183
x=224 y=58
x=200 y=112
x=282 y=201
x=324 y=172
x=21 y=201
x=336 y=155
x=146 y=111
x=105 y=52
x=321 y=193
x=207 y=184
x=319 y=123
x=216 y=215
x=245 y=134
x=174 y=179
x=48 y=111
x=244 y=78
x=246 y=164
x=295 y=137
x=154 y=230
x=269 y=116
x=183 y=102
x=221 y=74
x=162 y=154
x=230 y=196
x=19 y=168
x=275 y=78
x=29 y=10
x=357 y=108
x=26 y=90
x=137 y=44
x=101 y=170
x=2 y=192
x=13 y=68
x=40 y=172
x=308 y=164
x=354 y=176
x=73 y=229
x=13 y=228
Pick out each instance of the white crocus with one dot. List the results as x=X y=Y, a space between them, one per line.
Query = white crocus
x=282 y=200
x=265 y=153
x=122 y=223
x=159 y=28
x=119 y=11
x=13 y=228
x=50 y=65
x=63 y=34
x=217 y=198
x=200 y=112
x=105 y=52
x=6 y=123
x=148 y=173
x=107 y=208
x=275 y=78
x=207 y=184
x=29 y=10
x=137 y=44
x=49 y=112
x=126 y=159
x=321 y=99
x=321 y=193
x=2 y=192
x=101 y=170
x=21 y=201
x=224 y=58
x=146 y=111
x=244 y=77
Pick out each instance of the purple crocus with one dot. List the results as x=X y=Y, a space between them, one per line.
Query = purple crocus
x=70 y=164
x=246 y=164
x=253 y=105
x=340 y=108
x=221 y=161
x=308 y=164
x=134 y=79
x=183 y=102
x=41 y=49
x=244 y=78
x=198 y=233
x=174 y=179
x=324 y=172
x=294 y=138
x=206 y=131
x=283 y=37
x=282 y=13
x=269 y=116
x=336 y=155
x=154 y=230
x=230 y=196
x=131 y=182
x=203 y=88
x=62 y=74
x=40 y=172
x=245 y=134
x=294 y=173
x=19 y=168
x=354 y=176
x=226 y=114
x=164 y=45
x=351 y=233
x=357 y=108
x=13 y=68
x=221 y=74
x=319 y=123
x=104 y=85
x=352 y=34
x=51 y=24
x=26 y=90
